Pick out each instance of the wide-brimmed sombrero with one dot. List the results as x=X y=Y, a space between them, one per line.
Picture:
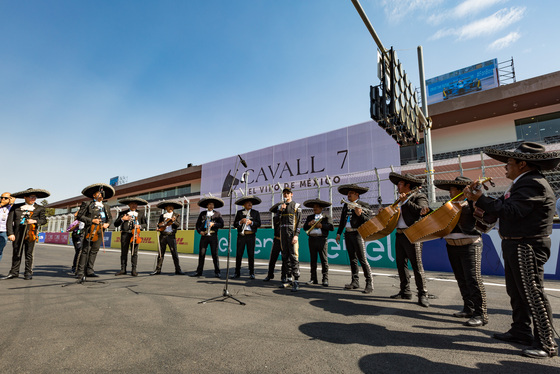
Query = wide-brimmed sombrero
x=345 y=188
x=312 y=202
x=446 y=184
x=40 y=193
x=408 y=178
x=532 y=153
x=103 y=187
x=218 y=203
x=252 y=198
x=137 y=200
x=165 y=203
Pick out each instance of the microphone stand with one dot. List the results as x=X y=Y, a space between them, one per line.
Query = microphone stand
x=226 y=294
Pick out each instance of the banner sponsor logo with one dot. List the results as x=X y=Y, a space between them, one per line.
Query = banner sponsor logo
x=347 y=155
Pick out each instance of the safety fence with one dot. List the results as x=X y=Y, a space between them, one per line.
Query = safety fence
x=380 y=253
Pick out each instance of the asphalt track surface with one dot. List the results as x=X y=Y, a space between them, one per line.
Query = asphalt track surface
x=156 y=324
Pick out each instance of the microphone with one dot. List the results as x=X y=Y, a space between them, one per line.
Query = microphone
x=242 y=161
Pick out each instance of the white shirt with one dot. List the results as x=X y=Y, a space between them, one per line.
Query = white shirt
x=4 y=217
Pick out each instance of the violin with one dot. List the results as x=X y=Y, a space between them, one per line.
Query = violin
x=94 y=230
x=136 y=236
x=31 y=235
x=164 y=224
x=135 y=233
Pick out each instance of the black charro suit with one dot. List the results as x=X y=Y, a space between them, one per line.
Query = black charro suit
x=167 y=238
x=405 y=250
x=355 y=243
x=318 y=246
x=525 y=222
x=89 y=211
x=464 y=249
x=127 y=235
x=15 y=227
x=206 y=240
x=246 y=239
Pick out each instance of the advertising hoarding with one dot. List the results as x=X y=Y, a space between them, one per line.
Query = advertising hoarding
x=464 y=81
x=346 y=155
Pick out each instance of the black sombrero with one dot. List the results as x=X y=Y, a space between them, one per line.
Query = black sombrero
x=407 y=178
x=93 y=188
x=165 y=203
x=40 y=193
x=345 y=188
x=218 y=203
x=312 y=202
x=532 y=153
x=274 y=207
x=137 y=200
x=252 y=198
x=446 y=184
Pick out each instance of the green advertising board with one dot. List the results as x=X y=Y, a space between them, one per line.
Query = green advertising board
x=380 y=253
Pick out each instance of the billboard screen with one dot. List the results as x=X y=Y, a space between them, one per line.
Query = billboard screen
x=461 y=82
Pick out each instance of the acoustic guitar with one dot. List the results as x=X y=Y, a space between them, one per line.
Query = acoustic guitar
x=384 y=222
x=441 y=221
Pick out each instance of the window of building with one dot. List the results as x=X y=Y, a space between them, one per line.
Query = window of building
x=543 y=128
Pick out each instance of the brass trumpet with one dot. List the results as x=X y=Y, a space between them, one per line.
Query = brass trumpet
x=313 y=226
x=245 y=225
x=208 y=220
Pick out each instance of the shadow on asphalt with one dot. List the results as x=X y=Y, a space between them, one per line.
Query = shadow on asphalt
x=385 y=363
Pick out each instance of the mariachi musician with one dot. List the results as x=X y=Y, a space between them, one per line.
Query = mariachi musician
x=411 y=207
x=276 y=248
x=131 y=221
x=317 y=226
x=247 y=221
x=207 y=225
x=464 y=249
x=168 y=224
x=350 y=219
x=526 y=213
x=97 y=217
x=22 y=227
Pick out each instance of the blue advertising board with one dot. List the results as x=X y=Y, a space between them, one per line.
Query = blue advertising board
x=464 y=81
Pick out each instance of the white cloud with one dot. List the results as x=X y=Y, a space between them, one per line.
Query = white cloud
x=504 y=42
x=473 y=6
x=464 y=9
x=486 y=26
x=396 y=10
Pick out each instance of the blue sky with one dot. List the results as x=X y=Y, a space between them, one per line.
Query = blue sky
x=95 y=89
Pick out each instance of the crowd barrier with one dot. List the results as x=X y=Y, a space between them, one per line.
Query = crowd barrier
x=380 y=253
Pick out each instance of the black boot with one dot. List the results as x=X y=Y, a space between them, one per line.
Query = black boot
x=369 y=286
x=352 y=285
x=123 y=268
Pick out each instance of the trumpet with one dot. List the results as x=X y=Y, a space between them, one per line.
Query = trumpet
x=352 y=205
x=315 y=224
x=208 y=220
x=245 y=225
